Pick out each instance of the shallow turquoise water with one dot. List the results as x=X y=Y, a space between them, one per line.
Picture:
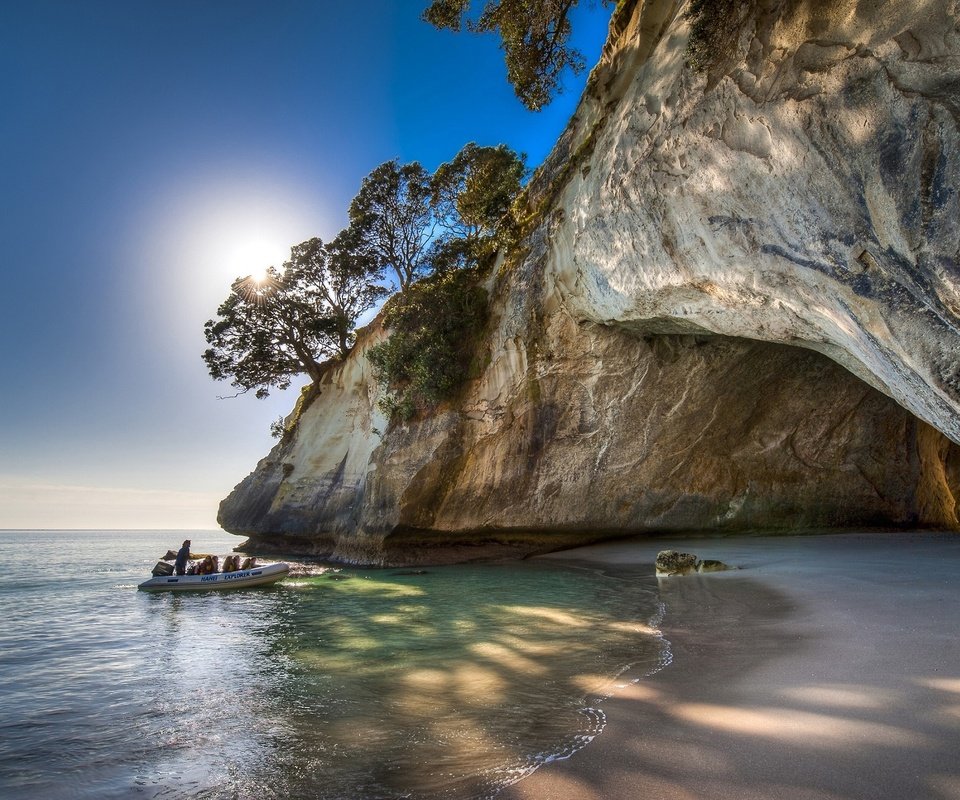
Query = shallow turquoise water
x=444 y=683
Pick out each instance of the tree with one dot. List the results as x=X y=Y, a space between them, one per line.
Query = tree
x=473 y=193
x=341 y=274
x=269 y=331
x=391 y=219
x=534 y=37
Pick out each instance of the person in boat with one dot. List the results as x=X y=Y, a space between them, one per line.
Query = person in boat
x=205 y=567
x=183 y=555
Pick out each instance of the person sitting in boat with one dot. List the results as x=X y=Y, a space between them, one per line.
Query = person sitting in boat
x=183 y=555
x=248 y=563
x=229 y=564
x=215 y=561
x=205 y=567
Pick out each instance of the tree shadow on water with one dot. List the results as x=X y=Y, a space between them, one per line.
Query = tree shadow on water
x=454 y=681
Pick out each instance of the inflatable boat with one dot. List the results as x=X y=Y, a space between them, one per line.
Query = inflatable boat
x=257 y=576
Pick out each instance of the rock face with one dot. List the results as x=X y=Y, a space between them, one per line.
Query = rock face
x=724 y=262
x=806 y=195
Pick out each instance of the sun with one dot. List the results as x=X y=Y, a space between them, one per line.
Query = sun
x=259 y=276
x=254 y=254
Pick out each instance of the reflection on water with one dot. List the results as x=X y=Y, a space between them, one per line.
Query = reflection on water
x=445 y=683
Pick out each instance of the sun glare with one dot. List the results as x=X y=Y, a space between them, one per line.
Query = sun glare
x=259 y=276
x=216 y=226
x=253 y=255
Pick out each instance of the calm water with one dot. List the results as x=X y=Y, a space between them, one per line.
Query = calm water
x=349 y=684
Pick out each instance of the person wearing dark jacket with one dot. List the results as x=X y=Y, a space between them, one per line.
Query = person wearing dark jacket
x=180 y=565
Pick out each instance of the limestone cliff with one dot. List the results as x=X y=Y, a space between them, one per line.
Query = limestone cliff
x=719 y=265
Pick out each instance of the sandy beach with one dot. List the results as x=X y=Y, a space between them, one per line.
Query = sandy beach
x=827 y=667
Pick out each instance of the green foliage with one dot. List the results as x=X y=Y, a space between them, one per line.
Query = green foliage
x=473 y=196
x=340 y=275
x=450 y=224
x=434 y=327
x=269 y=331
x=715 y=30
x=534 y=37
x=391 y=218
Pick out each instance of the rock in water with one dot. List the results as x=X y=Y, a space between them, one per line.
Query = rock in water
x=710 y=565
x=736 y=307
x=672 y=562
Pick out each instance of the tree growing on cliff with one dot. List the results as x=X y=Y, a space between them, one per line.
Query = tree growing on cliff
x=391 y=219
x=343 y=276
x=534 y=37
x=435 y=323
x=269 y=331
x=414 y=223
x=472 y=196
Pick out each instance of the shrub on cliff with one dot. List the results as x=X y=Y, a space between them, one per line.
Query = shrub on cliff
x=434 y=328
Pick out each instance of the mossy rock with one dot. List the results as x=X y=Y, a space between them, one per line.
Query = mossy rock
x=671 y=562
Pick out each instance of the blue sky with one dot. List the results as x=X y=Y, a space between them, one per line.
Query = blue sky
x=152 y=151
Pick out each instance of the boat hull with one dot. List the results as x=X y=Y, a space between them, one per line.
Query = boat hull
x=258 y=576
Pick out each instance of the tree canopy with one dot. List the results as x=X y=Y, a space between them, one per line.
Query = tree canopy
x=405 y=220
x=534 y=37
x=472 y=197
x=472 y=194
x=414 y=223
x=435 y=323
x=271 y=330
x=391 y=216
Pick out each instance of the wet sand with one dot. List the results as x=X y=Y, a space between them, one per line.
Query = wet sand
x=828 y=667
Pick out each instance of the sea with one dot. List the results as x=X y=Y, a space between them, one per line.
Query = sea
x=337 y=683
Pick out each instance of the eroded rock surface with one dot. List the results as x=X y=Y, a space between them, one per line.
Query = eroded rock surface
x=806 y=194
x=723 y=264
x=579 y=431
